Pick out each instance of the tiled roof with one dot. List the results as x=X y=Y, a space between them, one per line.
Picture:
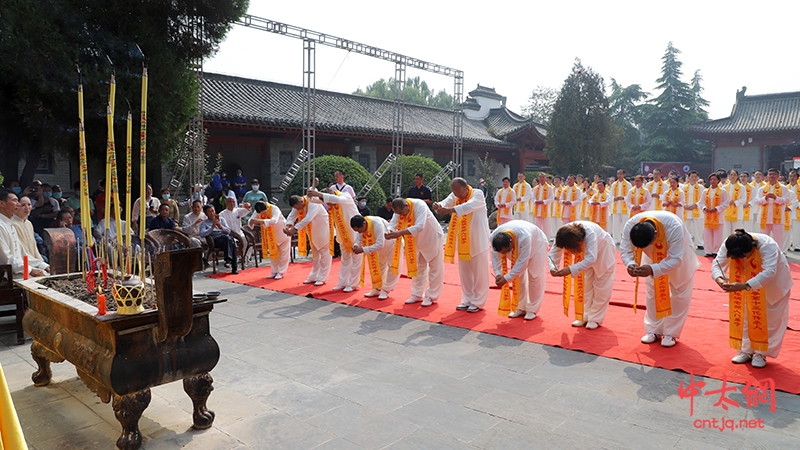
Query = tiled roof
x=483 y=91
x=754 y=113
x=506 y=124
x=240 y=100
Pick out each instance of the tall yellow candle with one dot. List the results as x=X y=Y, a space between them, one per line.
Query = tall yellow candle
x=143 y=158
x=128 y=178
x=109 y=151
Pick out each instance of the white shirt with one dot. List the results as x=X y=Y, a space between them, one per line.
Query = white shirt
x=317 y=217
x=385 y=247
x=479 y=222
x=234 y=218
x=345 y=189
x=10 y=248
x=112 y=228
x=24 y=229
x=723 y=201
x=740 y=202
x=566 y=195
x=277 y=221
x=349 y=209
x=426 y=230
x=782 y=200
x=529 y=239
x=629 y=199
x=599 y=251
x=538 y=195
x=153 y=203
x=499 y=202
x=190 y=225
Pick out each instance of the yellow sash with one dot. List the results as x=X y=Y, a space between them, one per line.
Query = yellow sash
x=691 y=201
x=570 y=259
x=571 y=195
x=619 y=191
x=367 y=239
x=459 y=226
x=776 y=209
x=637 y=200
x=404 y=222
x=732 y=211
x=748 y=188
x=585 y=204
x=542 y=209
x=559 y=208
x=673 y=195
x=269 y=245
x=521 y=189
x=657 y=193
x=741 y=270
x=660 y=249
x=304 y=234
x=509 y=297
x=337 y=221
x=597 y=213
x=712 y=217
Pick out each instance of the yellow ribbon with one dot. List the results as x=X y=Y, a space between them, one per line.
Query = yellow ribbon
x=269 y=244
x=741 y=270
x=569 y=259
x=337 y=221
x=304 y=234
x=712 y=217
x=368 y=238
x=776 y=208
x=404 y=222
x=660 y=249
x=459 y=226
x=509 y=297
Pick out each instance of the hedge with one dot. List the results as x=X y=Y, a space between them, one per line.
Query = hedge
x=412 y=165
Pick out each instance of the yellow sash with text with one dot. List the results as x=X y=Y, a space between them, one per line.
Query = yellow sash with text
x=578 y=283
x=748 y=189
x=558 y=208
x=368 y=238
x=509 y=296
x=713 y=200
x=541 y=192
x=656 y=193
x=741 y=270
x=660 y=249
x=458 y=232
x=570 y=194
x=732 y=211
x=269 y=245
x=776 y=208
x=673 y=196
x=691 y=200
x=342 y=230
x=521 y=189
x=620 y=190
x=403 y=222
x=505 y=210
x=637 y=198
x=598 y=213
x=305 y=234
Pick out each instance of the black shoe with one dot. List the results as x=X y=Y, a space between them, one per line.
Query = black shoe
x=234 y=271
x=700 y=247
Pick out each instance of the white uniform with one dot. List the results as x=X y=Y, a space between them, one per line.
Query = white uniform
x=680 y=264
x=24 y=230
x=384 y=248
x=522 y=208
x=669 y=196
x=501 y=203
x=599 y=266
x=694 y=195
x=474 y=274
x=714 y=237
x=774 y=225
x=794 y=198
x=737 y=203
x=284 y=242
x=632 y=199
x=234 y=218
x=656 y=190
x=776 y=279
x=350 y=269
x=429 y=239
x=531 y=264
x=619 y=209
x=317 y=217
x=10 y=248
x=567 y=194
x=541 y=212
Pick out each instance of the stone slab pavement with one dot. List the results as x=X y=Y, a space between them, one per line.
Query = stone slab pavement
x=300 y=373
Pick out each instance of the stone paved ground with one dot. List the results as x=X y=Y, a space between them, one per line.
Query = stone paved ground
x=299 y=373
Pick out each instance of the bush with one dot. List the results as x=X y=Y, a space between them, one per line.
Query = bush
x=412 y=165
x=354 y=174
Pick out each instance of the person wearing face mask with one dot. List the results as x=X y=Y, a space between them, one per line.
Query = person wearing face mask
x=14 y=187
x=239 y=184
x=58 y=195
x=174 y=212
x=45 y=209
x=254 y=196
x=75 y=202
x=362 y=206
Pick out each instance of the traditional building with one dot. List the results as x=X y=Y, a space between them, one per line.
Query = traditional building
x=761 y=132
x=257 y=125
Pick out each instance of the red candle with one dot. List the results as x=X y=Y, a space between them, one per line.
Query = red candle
x=25 y=267
x=101 y=304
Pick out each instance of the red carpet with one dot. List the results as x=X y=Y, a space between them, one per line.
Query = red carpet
x=701 y=350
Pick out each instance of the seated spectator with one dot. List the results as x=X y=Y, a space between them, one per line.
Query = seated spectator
x=162 y=221
x=27 y=239
x=151 y=203
x=58 y=194
x=174 y=212
x=45 y=209
x=191 y=222
x=233 y=216
x=100 y=229
x=10 y=248
x=216 y=228
x=67 y=220
x=75 y=203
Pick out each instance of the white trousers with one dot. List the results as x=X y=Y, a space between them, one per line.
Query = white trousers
x=730 y=226
x=695 y=227
x=777 y=320
x=555 y=223
x=597 y=292
x=713 y=239
x=430 y=275
x=532 y=282
x=787 y=239
x=776 y=231
x=350 y=269
x=526 y=216
x=474 y=275
x=281 y=265
x=681 y=299
x=543 y=224
x=321 y=264
x=617 y=224
x=388 y=279
x=795 y=234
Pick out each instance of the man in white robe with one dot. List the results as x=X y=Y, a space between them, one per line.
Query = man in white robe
x=543 y=196
x=571 y=196
x=504 y=201
x=426 y=286
x=772 y=198
x=382 y=247
x=619 y=209
x=679 y=264
x=528 y=273
x=473 y=268
x=24 y=229
x=598 y=267
x=712 y=232
x=775 y=278
x=10 y=247
x=279 y=263
x=316 y=219
x=341 y=203
x=692 y=210
x=638 y=198
x=524 y=194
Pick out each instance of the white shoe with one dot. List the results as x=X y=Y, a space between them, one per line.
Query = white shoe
x=384 y=295
x=741 y=358
x=428 y=301
x=758 y=361
x=319 y=283
x=473 y=309
x=338 y=288
x=348 y=289
x=308 y=282
x=649 y=338
x=667 y=341
x=517 y=313
x=591 y=325
x=372 y=293
x=413 y=299
x=578 y=323
x=278 y=276
x=530 y=315
x=272 y=275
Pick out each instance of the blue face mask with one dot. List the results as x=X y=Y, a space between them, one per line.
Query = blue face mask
x=255 y=187
x=165 y=196
x=48 y=194
x=16 y=189
x=57 y=194
x=363 y=204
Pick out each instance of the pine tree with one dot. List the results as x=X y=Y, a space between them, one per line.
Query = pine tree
x=581 y=136
x=626 y=108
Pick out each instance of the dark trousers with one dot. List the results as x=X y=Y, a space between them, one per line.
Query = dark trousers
x=228 y=245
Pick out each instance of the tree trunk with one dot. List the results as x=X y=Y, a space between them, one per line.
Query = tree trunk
x=33 y=155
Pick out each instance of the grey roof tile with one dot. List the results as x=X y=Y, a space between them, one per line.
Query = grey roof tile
x=754 y=113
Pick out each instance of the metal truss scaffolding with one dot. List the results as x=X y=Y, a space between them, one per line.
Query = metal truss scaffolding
x=309 y=107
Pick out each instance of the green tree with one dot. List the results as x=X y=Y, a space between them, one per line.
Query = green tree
x=412 y=165
x=416 y=92
x=42 y=41
x=626 y=106
x=581 y=136
x=540 y=104
x=666 y=116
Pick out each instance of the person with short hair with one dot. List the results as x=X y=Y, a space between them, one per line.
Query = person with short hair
x=275 y=245
x=340 y=210
x=657 y=246
x=363 y=209
x=11 y=252
x=714 y=203
x=386 y=212
x=311 y=220
x=341 y=186
x=772 y=198
x=693 y=193
x=570 y=199
x=619 y=208
x=166 y=199
x=162 y=221
x=638 y=198
x=519 y=264
x=599 y=203
x=738 y=196
x=151 y=205
x=543 y=196
x=656 y=188
x=255 y=195
x=45 y=209
x=423 y=238
x=759 y=283
x=377 y=253
x=218 y=229
x=589 y=253
x=524 y=194
x=504 y=201
x=419 y=190
x=674 y=197
x=24 y=230
x=75 y=202
x=191 y=222
x=239 y=182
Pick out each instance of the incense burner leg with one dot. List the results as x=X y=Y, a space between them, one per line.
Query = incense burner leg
x=199 y=388
x=128 y=409
x=43 y=357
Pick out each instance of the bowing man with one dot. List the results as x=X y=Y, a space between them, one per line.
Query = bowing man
x=377 y=250
x=275 y=245
x=312 y=222
x=341 y=209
